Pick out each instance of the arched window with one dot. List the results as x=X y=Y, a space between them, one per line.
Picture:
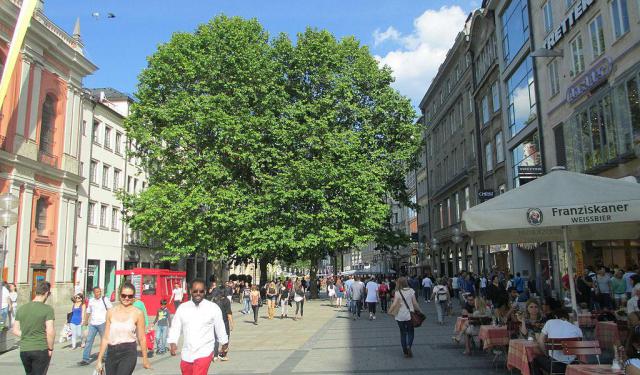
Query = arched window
x=46 y=128
x=41 y=216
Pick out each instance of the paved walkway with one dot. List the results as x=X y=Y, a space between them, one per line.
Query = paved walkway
x=326 y=341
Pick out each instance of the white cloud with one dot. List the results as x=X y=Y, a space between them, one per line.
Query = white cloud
x=419 y=54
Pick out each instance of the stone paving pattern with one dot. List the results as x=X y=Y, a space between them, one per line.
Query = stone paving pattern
x=326 y=341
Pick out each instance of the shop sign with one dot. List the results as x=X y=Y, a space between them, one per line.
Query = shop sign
x=589 y=80
x=574 y=15
x=486 y=194
x=530 y=170
x=91 y=270
x=498 y=248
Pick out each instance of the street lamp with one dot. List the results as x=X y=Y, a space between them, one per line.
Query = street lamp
x=456 y=235
x=8 y=203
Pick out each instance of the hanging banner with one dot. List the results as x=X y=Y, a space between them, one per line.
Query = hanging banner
x=24 y=18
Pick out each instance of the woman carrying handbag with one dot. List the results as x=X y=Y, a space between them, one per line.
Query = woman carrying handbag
x=407 y=313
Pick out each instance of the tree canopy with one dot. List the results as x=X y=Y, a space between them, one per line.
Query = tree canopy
x=260 y=147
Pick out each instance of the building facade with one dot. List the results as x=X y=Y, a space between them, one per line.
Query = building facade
x=40 y=151
x=448 y=110
x=590 y=98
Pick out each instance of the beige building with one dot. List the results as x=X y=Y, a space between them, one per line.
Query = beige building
x=590 y=97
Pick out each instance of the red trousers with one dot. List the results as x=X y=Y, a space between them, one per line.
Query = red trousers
x=199 y=367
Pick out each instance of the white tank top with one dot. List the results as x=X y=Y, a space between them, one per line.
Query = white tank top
x=122 y=332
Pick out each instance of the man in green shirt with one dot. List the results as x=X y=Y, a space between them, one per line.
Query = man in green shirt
x=34 y=326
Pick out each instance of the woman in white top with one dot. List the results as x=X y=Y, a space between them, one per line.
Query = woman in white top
x=124 y=326
x=13 y=298
x=404 y=302
x=441 y=297
x=372 y=298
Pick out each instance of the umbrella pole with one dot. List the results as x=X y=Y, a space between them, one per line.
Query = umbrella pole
x=572 y=285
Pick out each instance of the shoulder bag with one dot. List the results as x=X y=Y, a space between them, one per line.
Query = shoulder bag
x=416 y=316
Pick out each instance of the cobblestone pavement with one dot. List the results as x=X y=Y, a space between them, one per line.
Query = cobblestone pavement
x=326 y=341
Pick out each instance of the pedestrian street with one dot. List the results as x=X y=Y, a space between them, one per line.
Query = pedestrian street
x=325 y=341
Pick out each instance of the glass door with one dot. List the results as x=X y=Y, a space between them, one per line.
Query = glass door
x=109 y=277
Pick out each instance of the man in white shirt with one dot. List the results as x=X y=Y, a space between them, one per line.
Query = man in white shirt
x=5 y=302
x=177 y=295
x=201 y=323
x=427 y=284
x=557 y=328
x=95 y=318
x=632 y=303
x=372 y=298
x=356 y=291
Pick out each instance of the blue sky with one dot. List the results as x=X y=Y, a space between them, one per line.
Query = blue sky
x=412 y=36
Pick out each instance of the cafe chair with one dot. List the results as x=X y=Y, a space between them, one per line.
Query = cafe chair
x=582 y=349
x=551 y=345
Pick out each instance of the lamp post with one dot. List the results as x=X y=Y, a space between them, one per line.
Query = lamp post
x=8 y=203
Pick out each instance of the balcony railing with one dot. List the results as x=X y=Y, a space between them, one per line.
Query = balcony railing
x=47 y=158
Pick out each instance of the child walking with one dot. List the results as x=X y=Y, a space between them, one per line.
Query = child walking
x=162 y=323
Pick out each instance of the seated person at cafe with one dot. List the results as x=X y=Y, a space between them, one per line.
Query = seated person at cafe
x=632 y=365
x=558 y=327
x=530 y=320
x=469 y=305
x=633 y=304
x=472 y=326
x=549 y=305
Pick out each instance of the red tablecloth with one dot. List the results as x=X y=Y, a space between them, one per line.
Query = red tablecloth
x=607 y=334
x=521 y=354
x=460 y=323
x=493 y=336
x=586 y=320
x=592 y=370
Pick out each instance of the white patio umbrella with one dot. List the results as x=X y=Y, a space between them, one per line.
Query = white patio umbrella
x=559 y=206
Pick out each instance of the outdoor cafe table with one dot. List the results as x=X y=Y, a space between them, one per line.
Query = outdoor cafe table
x=460 y=323
x=493 y=336
x=521 y=354
x=607 y=334
x=591 y=370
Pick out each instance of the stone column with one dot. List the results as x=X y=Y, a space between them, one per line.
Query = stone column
x=35 y=100
x=25 y=235
x=61 y=240
x=24 y=97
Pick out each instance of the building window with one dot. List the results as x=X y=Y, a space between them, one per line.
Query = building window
x=499 y=149
x=105 y=176
x=456 y=210
x=488 y=156
x=515 y=29
x=115 y=218
x=620 y=16
x=93 y=172
x=116 y=179
x=41 y=216
x=107 y=137
x=449 y=216
x=561 y=153
x=470 y=97
x=554 y=80
x=473 y=144
x=467 y=198
x=135 y=185
x=495 y=96
x=92 y=213
x=103 y=216
x=521 y=97
x=597 y=134
x=96 y=132
x=629 y=103
x=129 y=184
x=548 y=16
x=79 y=208
x=47 y=124
x=597 y=36
x=577 y=55
x=485 y=110
x=441 y=211
x=525 y=154
x=118 y=143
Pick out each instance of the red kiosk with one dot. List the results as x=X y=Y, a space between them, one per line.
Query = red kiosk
x=153 y=285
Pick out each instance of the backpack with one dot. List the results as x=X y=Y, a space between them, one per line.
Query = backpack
x=441 y=294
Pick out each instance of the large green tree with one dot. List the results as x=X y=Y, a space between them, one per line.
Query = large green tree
x=267 y=148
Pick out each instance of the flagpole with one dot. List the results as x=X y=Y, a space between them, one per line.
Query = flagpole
x=24 y=18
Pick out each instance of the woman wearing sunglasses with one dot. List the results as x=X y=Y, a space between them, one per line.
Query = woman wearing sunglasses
x=75 y=320
x=125 y=326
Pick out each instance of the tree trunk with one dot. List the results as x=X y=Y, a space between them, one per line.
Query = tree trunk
x=313 y=277
x=263 y=270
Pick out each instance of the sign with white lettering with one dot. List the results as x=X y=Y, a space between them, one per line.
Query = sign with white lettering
x=589 y=80
x=574 y=15
x=529 y=170
x=486 y=194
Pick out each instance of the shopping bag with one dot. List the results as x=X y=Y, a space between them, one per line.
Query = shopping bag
x=151 y=339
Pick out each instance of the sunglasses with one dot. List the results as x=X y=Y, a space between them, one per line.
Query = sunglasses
x=197 y=291
x=127 y=296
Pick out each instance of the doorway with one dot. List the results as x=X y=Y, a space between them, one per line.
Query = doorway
x=38 y=276
x=109 y=277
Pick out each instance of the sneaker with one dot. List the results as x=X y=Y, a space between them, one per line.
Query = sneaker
x=215 y=358
x=83 y=363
